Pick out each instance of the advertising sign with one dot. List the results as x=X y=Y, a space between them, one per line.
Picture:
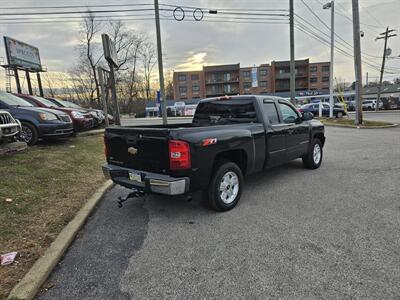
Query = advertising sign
x=254 y=78
x=22 y=55
x=110 y=53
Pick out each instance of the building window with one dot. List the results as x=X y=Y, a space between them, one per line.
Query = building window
x=246 y=85
x=227 y=76
x=263 y=84
x=246 y=73
x=227 y=88
x=263 y=72
x=313 y=69
x=325 y=68
x=195 y=88
x=325 y=79
x=195 y=77
x=182 y=89
x=313 y=80
x=182 y=77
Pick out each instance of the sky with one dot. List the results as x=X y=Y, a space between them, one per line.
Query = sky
x=191 y=44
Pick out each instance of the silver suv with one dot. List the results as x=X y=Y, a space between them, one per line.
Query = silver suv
x=9 y=127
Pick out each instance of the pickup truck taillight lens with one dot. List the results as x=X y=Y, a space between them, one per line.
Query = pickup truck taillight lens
x=106 y=148
x=179 y=155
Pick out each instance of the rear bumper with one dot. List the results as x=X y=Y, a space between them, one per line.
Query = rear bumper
x=150 y=182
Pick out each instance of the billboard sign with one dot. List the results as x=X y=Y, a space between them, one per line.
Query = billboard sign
x=110 y=53
x=22 y=55
x=254 y=77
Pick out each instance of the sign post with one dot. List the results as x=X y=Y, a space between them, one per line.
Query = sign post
x=110 y=54
x=100 y=74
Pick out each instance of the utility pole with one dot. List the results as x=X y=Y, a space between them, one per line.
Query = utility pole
x=160 y=63
x=385 y=35
x=357 y=62
x=292 y=61
x=331 y=5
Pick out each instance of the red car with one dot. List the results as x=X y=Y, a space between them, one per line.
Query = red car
x=81 y=119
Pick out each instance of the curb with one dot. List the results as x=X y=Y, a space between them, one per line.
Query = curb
x=362 y=127
x=31 y=283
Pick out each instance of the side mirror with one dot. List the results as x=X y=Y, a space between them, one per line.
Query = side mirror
x=307 y=116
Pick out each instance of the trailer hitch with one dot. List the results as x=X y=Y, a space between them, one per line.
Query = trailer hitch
x=133 y=194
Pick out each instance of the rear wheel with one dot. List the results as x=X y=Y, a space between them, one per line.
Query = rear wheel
x=339 y=114
x=225 y=187
x=29 y=134
x=313 y=159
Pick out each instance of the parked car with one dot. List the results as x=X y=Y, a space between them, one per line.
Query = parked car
x=228 y=138
x=351 y=105
x=10 y=128
x=371 y=104
x=36 y=123
x=97 y=113
x=338 y=110
x=81 y=120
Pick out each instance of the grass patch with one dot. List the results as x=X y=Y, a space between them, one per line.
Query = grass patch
x=350 y=123
x=48 y=184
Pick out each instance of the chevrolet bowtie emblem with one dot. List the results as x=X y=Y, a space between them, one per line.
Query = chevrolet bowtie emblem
x=132 y=150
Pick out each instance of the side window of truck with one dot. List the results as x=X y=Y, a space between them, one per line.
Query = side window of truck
x=271 y=112
x=289 y=115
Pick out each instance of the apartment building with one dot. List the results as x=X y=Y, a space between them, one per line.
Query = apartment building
x=318 y=74
x=255 y=80
x=232 y=79
x=222 y=80
x=189 y=85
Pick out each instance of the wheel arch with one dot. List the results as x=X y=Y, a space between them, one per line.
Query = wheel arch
x=237 y=156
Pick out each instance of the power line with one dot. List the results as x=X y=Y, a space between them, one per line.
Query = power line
x=324 y=41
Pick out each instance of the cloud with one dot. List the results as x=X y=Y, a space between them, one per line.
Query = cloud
x=195 y=61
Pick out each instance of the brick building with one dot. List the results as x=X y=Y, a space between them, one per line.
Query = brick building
x=231 y=79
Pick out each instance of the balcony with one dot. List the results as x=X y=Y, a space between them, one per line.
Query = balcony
x=287 y=75
x=221 y=92
x=221 y=80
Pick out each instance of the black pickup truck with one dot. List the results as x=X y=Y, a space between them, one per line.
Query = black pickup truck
x=228 y=138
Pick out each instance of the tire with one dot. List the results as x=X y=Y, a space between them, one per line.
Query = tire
x=311 y=161
x=228 y=177
x=29 y=134
x=339 y=114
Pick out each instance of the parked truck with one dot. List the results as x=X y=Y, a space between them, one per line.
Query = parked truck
x=228 y=138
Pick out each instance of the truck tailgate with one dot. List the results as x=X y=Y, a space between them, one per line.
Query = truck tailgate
x=139 y=148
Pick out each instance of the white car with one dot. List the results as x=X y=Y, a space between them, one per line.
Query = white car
x=371 y=104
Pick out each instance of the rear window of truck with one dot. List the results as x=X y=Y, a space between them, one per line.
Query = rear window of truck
x=222 y=112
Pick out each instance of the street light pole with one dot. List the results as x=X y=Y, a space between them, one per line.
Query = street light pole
x=160 y=63
x=331 y=5
x=292 y=60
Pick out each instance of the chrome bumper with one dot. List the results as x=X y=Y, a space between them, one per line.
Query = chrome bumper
x=150 y=182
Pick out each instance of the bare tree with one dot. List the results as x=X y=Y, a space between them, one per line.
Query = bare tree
x=149 y=60
x=84 y=74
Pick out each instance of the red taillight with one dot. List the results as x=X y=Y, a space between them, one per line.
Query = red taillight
x=106 y=148
x=179 y=155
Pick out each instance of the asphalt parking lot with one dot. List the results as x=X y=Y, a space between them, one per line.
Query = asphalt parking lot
x=331 y=233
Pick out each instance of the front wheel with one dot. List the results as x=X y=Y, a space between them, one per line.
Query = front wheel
x=313 y=159
x=225 y=187
x=29 y=133
x=339 y=115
